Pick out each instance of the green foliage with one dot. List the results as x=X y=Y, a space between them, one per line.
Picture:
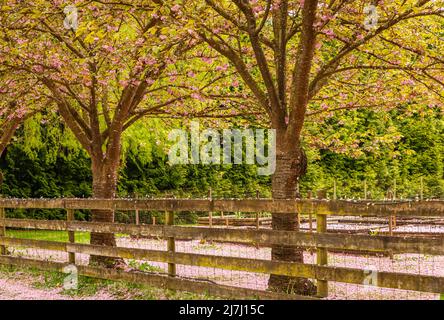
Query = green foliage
x=144 y=266
x=44 y=164
x=409 y=147
x=46 y=235
x=46 y=161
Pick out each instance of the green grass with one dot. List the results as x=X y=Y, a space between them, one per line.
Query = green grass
x=144 y=266
x=61 y=236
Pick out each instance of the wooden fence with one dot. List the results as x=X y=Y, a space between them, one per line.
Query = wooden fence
x=321 y=240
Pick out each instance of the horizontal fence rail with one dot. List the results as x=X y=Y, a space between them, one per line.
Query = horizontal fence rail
x=322 y=241
x=199 y=287
x=262 y=237
x=337 y=207
x=338 y=274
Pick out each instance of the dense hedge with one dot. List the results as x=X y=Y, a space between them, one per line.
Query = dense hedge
x=45 y=161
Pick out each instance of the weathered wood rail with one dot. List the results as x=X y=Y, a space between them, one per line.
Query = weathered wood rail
x=155 y=280
x=321 y=240
x=337 y=207
x=233 y=221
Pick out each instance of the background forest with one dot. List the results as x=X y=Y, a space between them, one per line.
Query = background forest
x=399 y=149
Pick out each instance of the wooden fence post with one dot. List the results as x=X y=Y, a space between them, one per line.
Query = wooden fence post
x=310 y=218
x=421 y=191
x=365 y=189
x=257 y=213
x=71 y=236
x=322 y=254
x=390 y=225
x=210 y=214
x=394 y=189
x=171 y=245
x=2 y=231
x=334 y=190
x=137 y=217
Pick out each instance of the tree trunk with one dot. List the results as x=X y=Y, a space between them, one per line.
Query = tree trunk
x=104 y=187
x=290 y=165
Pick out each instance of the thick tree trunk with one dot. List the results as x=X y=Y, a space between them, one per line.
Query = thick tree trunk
x=104 y=186
x=290 y=165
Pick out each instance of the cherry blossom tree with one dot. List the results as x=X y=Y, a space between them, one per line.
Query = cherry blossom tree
x=104 y=65
x=300 y=60
x=17 y=103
